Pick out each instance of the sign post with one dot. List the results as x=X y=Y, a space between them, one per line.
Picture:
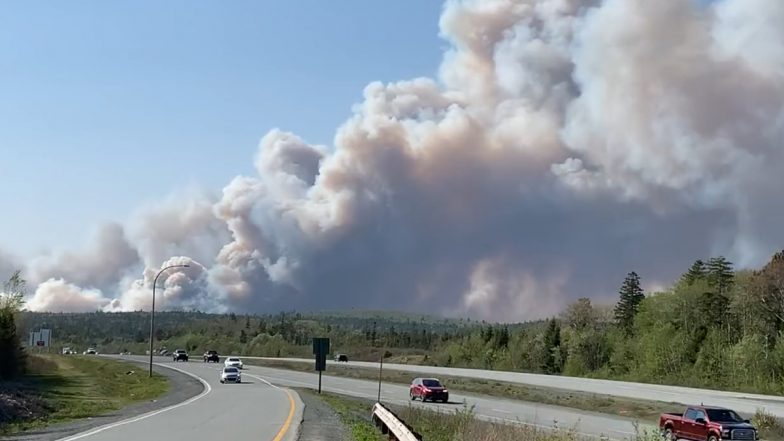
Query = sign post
x=320 y=350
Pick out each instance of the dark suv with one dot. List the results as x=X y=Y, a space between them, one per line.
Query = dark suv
x=180 y=355
x=211 y=356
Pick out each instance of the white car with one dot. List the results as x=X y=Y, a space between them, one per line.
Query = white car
x=233 y=362
x=230 y=374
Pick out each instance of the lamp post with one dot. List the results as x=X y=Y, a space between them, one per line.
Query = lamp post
x=152 y=312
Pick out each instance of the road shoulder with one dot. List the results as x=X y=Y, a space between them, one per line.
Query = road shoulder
x=319 y=421
x=182 y=387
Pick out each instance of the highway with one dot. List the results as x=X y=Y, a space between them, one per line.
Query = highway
x=254 y=410
x=264 y=409
x=588 y=424
x=741 y=402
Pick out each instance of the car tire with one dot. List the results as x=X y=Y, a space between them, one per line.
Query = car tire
x=411 y=394
x=713 y=438
x=669 y=435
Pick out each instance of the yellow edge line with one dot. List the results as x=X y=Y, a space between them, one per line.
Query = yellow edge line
x=287 y=423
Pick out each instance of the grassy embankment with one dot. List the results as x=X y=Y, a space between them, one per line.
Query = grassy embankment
x=636 y=409
x=459 y=425
x=64 y=388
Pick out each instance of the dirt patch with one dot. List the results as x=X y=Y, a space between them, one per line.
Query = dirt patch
x=319 y=421
x=19 y=404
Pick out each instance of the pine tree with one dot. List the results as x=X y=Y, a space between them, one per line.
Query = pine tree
x=11 y=352
x=720 y=275
x=697 y=271
x=243 y=336
x=552 y=344
x=631 y=295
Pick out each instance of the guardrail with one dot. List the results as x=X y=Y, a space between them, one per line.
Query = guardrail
x=391 y=425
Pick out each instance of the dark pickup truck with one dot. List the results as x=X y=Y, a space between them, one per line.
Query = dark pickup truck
x=705 y=423
x=211 y=356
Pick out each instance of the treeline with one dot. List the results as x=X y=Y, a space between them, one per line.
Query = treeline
x=12 y=355
x=714 y=327
x=363 y=334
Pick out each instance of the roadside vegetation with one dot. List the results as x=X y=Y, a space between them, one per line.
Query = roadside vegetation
x=714 y=327
x=458 y=425
x=62 y=388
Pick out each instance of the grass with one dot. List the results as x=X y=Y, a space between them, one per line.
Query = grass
x=458 y=425
x=354 y=415
x=637 y=409
x=73 y=387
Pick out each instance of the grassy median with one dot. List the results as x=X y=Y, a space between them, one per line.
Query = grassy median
x=636 y=409
x=65 y=388
x=457 y=425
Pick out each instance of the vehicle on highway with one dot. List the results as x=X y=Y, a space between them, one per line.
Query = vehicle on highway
x=67 y=351
x=341 y=358
x=211 y=356
x=90 y=351
x=233 y=362
x=428 y=389
x=230 y=374
x=706 y=423
x=180 y=355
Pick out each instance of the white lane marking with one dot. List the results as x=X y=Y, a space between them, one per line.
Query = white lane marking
x=207 y=390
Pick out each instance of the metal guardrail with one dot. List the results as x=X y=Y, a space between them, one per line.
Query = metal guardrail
x=390 y=424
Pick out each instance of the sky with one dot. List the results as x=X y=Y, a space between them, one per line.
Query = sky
x=107 y=107
x=496 y=159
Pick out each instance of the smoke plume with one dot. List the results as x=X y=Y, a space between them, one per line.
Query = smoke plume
x=563 y=144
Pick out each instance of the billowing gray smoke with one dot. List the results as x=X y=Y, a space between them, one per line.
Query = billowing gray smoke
x=564 y=143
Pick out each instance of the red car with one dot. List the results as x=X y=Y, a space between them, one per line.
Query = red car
x=428 y=389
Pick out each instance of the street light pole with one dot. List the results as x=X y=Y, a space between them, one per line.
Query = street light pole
x=152 y=312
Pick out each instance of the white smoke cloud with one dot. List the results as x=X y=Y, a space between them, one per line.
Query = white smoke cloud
x=60 y=296
x=564 y=143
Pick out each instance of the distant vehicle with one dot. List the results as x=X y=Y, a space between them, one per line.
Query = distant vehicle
x=701 y=423
x=230 y=375
x=180 y=355
x=428 y=389
x=341 y=357
x=90 y=351
x=211 y=356
x=233 y=362
x=67 y=351
x=125 y=352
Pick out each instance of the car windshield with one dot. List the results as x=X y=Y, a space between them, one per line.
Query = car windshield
x=234 y=359
x=431 y=383
x=724 y=416
x=230 y=370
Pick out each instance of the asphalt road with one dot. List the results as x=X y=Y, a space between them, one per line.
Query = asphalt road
x=741 y=402
x=540 y=415
x=255 y=409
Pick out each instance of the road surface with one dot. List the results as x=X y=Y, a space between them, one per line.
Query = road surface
x=256 y=410
x=741 y=402
x=540 y=415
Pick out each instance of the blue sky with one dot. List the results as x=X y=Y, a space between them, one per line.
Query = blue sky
x=107 y=106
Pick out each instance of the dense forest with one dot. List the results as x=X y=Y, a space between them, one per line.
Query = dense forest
x=715 y=327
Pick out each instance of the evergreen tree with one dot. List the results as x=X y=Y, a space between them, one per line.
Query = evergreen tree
x=503 y=338
x=552 y=343
x=631 y=295
x=243 y=336
x=697 y=271
x=720 y=275
x=12 y=355
x=247 y=322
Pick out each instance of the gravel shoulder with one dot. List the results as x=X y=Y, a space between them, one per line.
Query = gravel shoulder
x=182 y=387
x=319 y=421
